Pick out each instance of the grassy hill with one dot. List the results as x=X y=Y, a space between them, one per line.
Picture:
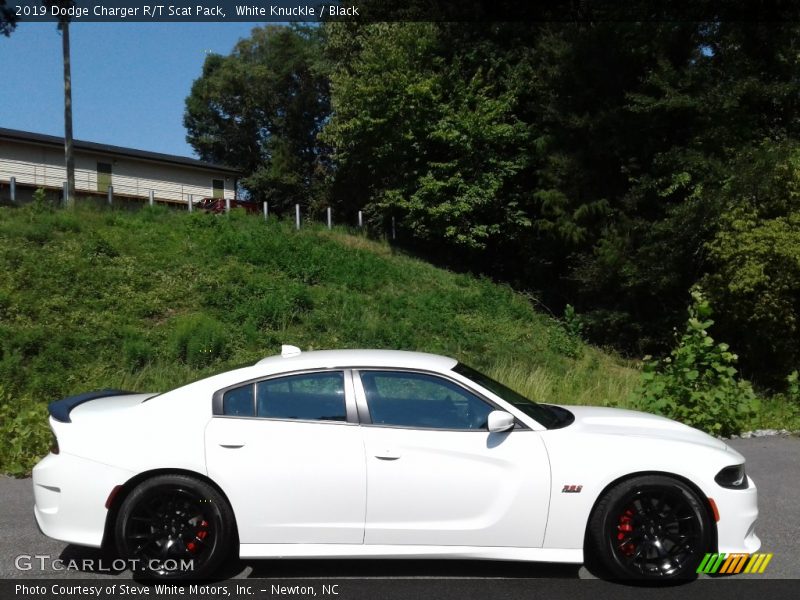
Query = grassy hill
x=153 y=299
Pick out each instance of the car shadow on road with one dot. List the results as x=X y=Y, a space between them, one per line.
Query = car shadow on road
x=90 y=560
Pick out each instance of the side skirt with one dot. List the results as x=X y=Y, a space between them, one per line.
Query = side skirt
x=561 y=555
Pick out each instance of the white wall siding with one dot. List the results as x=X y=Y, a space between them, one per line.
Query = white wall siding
x=43 y=166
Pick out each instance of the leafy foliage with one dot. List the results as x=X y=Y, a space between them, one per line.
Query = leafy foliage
x=755 y=259
x=199 y=340
x=596 y=164
x=424 y=127
x=793 y=388
x=8 y=19
x=260 y=109
x=24 y=435
x=697 y=384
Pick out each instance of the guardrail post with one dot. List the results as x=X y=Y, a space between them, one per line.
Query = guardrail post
x=297 y=215
x=330 y=218
x=227 y=205
x=12 y=184
x=266 y=211
x=152 y=198
x=110 y=195
x=360 y=219
x=191 y=201
x=394 y=233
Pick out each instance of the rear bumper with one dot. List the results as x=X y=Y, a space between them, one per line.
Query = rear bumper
x=738 y=511
x=70 y=495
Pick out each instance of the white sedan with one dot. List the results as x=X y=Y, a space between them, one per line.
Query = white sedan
x=372 y=453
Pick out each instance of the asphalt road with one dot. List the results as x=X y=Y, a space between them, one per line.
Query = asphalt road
x=774 y=464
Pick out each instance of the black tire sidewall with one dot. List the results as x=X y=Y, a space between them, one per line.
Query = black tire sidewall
x=604 y=520
x=222 y=523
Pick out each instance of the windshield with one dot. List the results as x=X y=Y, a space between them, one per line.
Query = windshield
x=545 y=415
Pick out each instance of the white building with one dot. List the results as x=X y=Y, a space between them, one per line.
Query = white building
x=36 y=161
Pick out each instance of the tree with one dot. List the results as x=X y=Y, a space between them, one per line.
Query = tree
x=754 y=259
x=8 y=19
x=63 y=26
x=591 y=163
x=425 y=126
x=260 y=110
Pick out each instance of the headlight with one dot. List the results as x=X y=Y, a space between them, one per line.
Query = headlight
x=732 y=477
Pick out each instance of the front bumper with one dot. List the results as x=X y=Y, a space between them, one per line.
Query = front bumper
x=738 y=511
x=70 y=495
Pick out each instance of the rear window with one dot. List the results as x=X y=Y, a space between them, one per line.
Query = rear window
x=309 y=397
x=306 y=397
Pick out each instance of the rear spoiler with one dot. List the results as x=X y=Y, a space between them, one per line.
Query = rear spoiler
x=60 y=409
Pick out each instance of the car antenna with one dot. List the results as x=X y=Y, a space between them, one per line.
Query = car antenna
x=288 y=351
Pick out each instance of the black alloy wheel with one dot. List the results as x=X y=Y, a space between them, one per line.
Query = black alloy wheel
x=174 y=527
x=651 y=528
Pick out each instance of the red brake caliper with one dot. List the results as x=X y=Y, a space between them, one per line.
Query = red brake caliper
x=623 y=529
x=202 y=534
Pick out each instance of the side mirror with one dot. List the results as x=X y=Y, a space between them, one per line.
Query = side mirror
x=500 y=420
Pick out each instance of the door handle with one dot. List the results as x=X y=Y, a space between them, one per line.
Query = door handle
x=387 y=455
x=232 y=446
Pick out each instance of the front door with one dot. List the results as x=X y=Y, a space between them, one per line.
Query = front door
x=437 y=476
x=289 y=461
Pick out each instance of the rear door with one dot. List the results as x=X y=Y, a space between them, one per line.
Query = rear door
x=289 y=455
x=437 y=476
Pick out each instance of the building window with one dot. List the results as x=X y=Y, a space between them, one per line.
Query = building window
x=218 y=186
x=103 y=176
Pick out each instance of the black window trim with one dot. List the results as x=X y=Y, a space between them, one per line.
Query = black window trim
x=349 y=400
x=366 y=419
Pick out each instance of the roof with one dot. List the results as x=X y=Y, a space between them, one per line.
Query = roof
x=359 y=358
x=52 y=140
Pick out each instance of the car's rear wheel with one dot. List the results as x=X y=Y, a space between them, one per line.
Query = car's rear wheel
x=650 y=528
x=174 y=527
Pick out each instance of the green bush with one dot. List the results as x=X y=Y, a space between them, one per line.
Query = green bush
x=137 y=352
x=24 y=436
x=793 y=389
x=199 y=340
x=40 y=203
x=697 y=383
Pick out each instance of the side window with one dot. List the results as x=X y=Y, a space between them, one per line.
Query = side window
x=238 y=402
x=310 y=397
x=420 y=400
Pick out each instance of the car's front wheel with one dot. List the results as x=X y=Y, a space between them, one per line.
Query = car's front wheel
x=650 y=528
x=174 y=527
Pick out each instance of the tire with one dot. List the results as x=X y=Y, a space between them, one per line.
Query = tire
x=174 y=527
x=650 y=528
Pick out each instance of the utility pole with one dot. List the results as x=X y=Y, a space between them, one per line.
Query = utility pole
x=69 y=201
x=69 y=158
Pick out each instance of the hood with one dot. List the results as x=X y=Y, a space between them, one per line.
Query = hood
x=617 y=421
